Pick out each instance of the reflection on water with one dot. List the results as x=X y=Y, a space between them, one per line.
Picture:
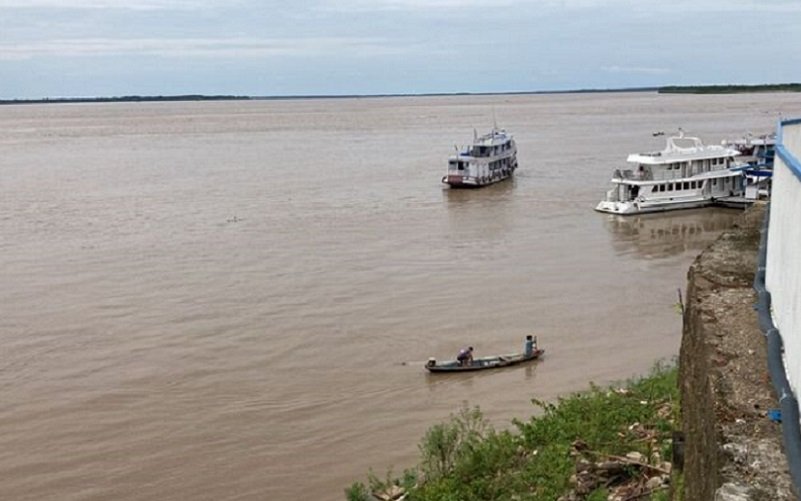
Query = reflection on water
x=488 y=211
x=654 y=236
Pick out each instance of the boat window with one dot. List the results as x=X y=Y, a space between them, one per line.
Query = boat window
x=686 y=185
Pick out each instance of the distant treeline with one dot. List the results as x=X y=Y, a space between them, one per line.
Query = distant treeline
x=729 y=89
x=672 y=89
x=122 y=99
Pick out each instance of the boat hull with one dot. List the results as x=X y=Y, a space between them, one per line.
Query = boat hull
x=472 y=182
x=484 y=363
x=629 y=208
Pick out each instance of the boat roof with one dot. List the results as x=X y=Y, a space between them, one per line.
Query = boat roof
x=692 y=149
x=750 y=140
x=495 y=136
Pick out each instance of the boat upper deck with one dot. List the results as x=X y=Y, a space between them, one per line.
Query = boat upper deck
x=692 y=149
x=496 y=142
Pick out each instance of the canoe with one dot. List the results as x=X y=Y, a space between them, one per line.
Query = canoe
x=483 y=363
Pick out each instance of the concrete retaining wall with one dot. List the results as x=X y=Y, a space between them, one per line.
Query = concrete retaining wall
x=783 y=266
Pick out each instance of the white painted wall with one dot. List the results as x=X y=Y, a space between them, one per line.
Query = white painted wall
x=783 y=266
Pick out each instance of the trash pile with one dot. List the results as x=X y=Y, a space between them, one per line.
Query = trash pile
x=629 y=477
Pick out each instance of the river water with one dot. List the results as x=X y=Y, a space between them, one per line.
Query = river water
x=234 y=300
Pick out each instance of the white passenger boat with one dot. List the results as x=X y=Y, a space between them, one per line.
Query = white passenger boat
x=491 y=158
x=686 y=174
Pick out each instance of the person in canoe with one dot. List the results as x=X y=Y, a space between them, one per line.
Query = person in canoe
x=465 y=356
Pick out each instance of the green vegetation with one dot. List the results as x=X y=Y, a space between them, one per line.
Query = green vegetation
x=626 y=428
x=729 y=89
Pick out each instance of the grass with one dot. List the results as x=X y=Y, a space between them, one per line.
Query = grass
x=465 y=459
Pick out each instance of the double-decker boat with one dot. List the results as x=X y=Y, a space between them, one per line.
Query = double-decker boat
x=685 y=175
x=491 y=158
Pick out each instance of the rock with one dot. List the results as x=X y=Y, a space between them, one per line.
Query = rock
x=732 y=492
x=654 y=483
x=391 y=493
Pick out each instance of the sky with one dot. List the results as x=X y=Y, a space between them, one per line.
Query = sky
x=84 y=48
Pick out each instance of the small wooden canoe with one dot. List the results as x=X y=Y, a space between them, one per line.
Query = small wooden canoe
x=483 y=363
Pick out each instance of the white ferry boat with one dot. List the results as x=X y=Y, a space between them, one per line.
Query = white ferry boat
x=685 y=175
x=491 y=158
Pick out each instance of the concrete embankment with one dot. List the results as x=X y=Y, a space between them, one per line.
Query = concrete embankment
x=733 y=450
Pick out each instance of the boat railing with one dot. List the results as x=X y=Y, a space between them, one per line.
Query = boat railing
x=634 y=175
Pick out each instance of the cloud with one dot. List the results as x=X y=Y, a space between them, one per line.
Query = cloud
x=644 y=70
x=417 y=4
x=112 y=4
x=202 y=47
x=653 y=6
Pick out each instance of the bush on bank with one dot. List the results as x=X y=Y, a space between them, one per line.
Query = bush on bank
x=465 y=459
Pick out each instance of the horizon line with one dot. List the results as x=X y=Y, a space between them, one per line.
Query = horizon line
x=192 y=96
x=212 y=97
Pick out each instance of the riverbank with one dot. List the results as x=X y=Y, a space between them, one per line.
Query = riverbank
x=605 y=443
x=614 y=443
x=729 y=89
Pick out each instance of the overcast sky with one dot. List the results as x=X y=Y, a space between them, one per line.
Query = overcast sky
x=53 y=48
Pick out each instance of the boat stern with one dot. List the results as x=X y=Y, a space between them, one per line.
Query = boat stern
x=460 y=181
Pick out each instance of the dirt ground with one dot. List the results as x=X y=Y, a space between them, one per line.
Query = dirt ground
x=733 y=450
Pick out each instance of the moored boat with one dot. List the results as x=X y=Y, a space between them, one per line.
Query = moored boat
x=531 y=352
x=490 y=159
x=756 y=163
x=685 y=175
x=757 y=151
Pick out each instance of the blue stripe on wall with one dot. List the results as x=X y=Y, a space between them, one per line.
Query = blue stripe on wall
x=787 y=157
